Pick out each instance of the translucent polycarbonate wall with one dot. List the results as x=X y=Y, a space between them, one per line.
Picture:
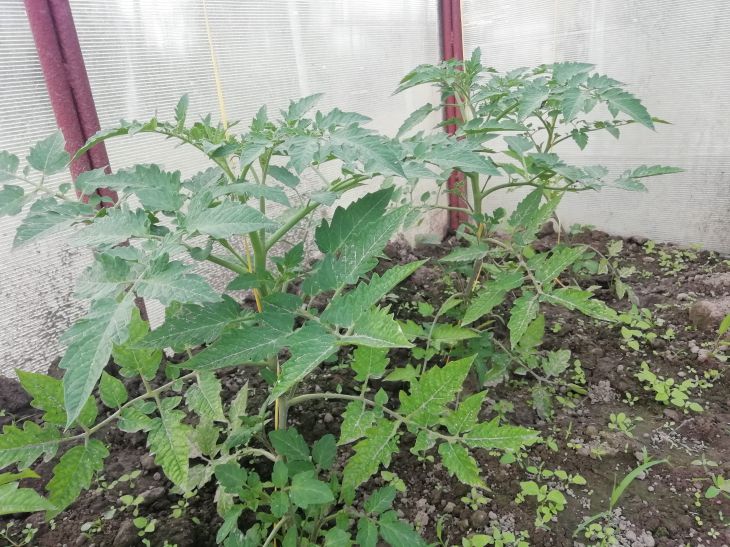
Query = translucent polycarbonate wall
x=142 y=55
x=674 y=55
x=35 y=281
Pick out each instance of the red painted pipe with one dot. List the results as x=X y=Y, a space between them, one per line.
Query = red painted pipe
x=69 y=90
x=452 y=48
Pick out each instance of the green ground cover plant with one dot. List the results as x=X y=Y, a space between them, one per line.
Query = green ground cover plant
x=249 y=214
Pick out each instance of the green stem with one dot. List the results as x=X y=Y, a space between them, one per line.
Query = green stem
x=476 y=193
x=534 y=185
x=259 y=258
x=293 y=221
x=274 y=530
x=227 y=264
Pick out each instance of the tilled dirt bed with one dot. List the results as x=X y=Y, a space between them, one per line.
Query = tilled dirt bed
x=665 y=507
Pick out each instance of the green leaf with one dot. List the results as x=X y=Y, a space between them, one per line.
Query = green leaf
x=491 y=295
x=466 y=254
x=399 y=534
x=46 y=216
x=534 y=334
x=524 y=311
x=290 y=444
x=25 y=446
x=181 y=111
x=47 y=393
x=644 y=171
x=573 y=298
x=284 y=176
x=306 y=490
x=376 y=153
x=89 y=346
x=433 y=390
x=380 y=500
x=270 y=193
x=133 y=359
x=192 y=325
x=21 y=500
x=367 y=533
x=560 y=259
x=204 y=397
x=375 y=450
x=309 y=346
x=566 y=71
x=298 y=108
x=230 y=523
x=556 y=363
x=415 y=118
x=573 y=102
x=279 y=504
x=628 y=104
x=231 y=476
x=168 y=442
x=724 y=326
x=444 y=333
x=324 y=451
x=74 y=473
x=465 y=417
x=157 y=190
x=280 y=474
x=348 y=224
x=492 y=435
x=8 y=165
x=112 y=391
x=226 y=220
x=356 y=420
x=135 y=417
x=106 y=277
x=117 y=226
x=239 y=346
x=369 y=363
x=49 y=156
x=12 y=198
x=345 y=309
x=458 y=154
x=356 y=258
x=168 y=281
x=460 y=464
x=531 y=98
x=302 y=150
x=378 y=329
x=6 y=478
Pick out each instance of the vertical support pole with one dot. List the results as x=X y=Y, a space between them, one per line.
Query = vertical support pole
x=69 y=90
x=452 y=47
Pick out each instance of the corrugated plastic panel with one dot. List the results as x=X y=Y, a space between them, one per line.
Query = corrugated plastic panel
x=142 y=55
x=674 y=56
x=35 y=281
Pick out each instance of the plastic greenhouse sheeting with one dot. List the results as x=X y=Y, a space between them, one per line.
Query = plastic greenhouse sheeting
x=142 y=55
x=673 y=54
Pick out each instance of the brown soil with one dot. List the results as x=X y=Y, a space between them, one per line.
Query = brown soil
x=658 y=510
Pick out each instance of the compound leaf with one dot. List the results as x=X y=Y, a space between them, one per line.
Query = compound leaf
x=168 y=441
x=74 y=473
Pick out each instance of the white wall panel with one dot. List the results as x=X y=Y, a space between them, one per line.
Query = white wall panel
x=673 y=54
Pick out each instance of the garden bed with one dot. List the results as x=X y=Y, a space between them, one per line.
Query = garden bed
x=666 y=506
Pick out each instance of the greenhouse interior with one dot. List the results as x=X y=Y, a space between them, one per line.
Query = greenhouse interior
x=376 y=273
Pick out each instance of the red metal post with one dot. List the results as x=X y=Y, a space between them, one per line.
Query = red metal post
x=452 y=48
x=69 y=90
